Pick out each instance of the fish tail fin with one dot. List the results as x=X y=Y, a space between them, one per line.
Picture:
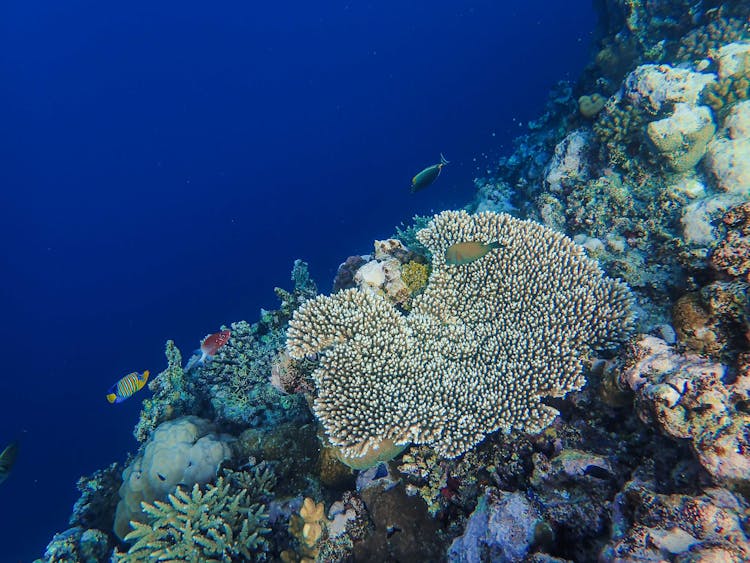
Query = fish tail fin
x=145 y=375
x=443 y=160
x=198 y=358
x=494 y=244
x=111 y=397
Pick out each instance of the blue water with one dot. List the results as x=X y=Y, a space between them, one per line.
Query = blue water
x=162 y=164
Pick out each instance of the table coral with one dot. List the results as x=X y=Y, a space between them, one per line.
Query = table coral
x=483 y=344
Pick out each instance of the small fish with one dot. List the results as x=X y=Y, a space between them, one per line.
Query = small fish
x=428 y=175
x=210 y=345
x=213 y=342
x=127 y=386
x=7 y=460
x=467 y=252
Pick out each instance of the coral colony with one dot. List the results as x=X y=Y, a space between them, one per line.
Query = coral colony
x=561 y=372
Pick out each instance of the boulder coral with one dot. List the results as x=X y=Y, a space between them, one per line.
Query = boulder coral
x=649 y=526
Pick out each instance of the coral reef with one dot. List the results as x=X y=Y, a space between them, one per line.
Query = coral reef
x=238 y=384
x=649 y=526
x=173 y=395
x=225 y=521
x=732 y=255
x=402 y=530
x=184 y=451
x=98 y=500
x=79 y=545
x=645 y=164
x=504 y=527
x=395 y=273
x=485 y=334
x=687 y=396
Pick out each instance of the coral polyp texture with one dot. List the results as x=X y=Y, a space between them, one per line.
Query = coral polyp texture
x=484 y=342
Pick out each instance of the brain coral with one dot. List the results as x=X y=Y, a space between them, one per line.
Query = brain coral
x=483 y=344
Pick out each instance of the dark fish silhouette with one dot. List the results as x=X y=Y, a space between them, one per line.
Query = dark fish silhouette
x=7 y=460
x=427 y=176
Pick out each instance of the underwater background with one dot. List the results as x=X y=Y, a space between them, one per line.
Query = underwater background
x=375 y=282
x=163 y=165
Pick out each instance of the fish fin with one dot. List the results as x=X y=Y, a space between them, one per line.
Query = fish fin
x=111 y=397
x=494 y=244
x=145 y=375
x=198 y=358
x=443 y=160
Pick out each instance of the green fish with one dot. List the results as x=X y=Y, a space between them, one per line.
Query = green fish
x=467 y=252
x=7 y=460
x=428 y=175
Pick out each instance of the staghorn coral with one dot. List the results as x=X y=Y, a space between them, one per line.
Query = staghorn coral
x=219 y=523
x=484 y=342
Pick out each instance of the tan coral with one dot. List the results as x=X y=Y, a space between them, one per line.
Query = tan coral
x=483 y=344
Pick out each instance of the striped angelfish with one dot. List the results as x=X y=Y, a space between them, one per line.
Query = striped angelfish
x=127 y=386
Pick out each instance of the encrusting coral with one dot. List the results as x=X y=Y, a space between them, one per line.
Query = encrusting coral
x=483 y=344
x=173 y=395
x=307 y=527
x=688 y=397
x=220 y=522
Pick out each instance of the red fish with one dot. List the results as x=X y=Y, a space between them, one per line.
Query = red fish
x=213 y=342
x=210 y=345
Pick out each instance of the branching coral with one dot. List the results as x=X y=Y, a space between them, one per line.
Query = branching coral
x=216 y=523
x=238 y=379
x=173 y=395
x=484 y=342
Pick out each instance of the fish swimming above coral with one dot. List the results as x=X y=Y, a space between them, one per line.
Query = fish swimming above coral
x=428 y=175
x=210 y=345
x=7 y=460
x=127 y=386
x=467 y=252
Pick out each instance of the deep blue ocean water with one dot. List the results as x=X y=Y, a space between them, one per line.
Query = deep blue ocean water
x=162 y=164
